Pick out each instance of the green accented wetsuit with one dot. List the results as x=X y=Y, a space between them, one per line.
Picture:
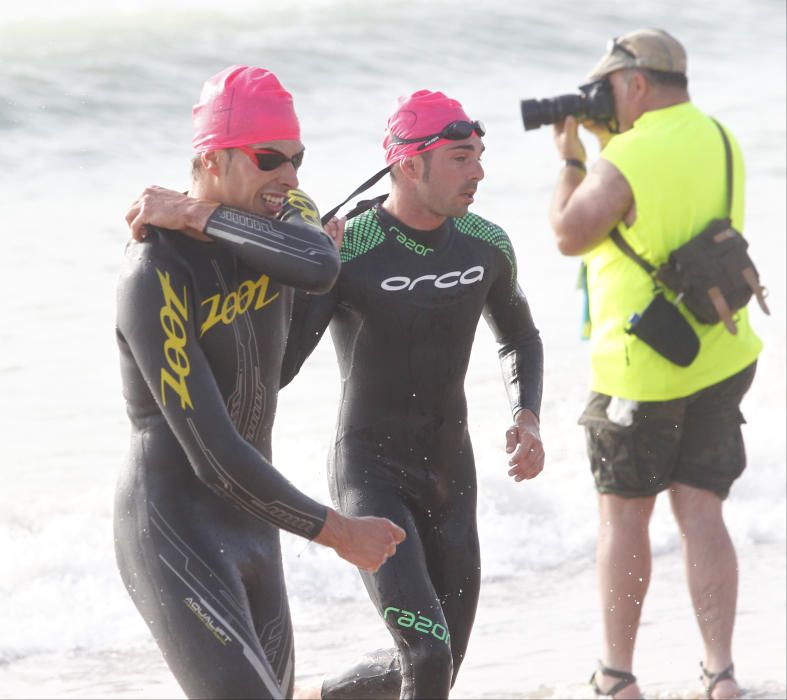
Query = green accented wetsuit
x=403 y=316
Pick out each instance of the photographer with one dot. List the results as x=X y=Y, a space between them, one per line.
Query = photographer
x=653 y=425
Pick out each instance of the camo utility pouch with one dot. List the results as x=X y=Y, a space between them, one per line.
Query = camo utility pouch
x=663 y=327
x=713 y=274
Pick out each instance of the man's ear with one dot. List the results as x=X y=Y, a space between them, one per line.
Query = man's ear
x=410 y=167
x=640 y=84
x=213 y=161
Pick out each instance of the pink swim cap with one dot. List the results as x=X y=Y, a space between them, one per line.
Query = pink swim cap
x=242 y=105
x=421 y=114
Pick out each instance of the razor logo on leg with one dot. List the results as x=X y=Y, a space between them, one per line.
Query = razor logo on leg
x=423 y=624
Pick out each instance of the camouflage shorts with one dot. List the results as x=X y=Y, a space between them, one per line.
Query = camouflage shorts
x=695 y=440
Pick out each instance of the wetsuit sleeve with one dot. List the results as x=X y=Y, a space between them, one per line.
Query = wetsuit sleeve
x=293 y=249
x=311 y=314
x=521 y=352
x=156 y=317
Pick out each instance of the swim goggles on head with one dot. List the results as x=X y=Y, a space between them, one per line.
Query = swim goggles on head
x=455 y=131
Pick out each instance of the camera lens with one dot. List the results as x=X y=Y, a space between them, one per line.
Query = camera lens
x=533 y=114
x=536 y=113
x=594 y=101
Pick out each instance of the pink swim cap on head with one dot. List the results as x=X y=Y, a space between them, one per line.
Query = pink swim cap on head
x=242 y=105
x=421 y=114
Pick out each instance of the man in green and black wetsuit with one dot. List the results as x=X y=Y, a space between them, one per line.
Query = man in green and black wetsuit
x=201 y=328
x=418 y=272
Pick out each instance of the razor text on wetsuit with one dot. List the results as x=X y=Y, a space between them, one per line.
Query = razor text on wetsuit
x=418 y=622
x=409 y=243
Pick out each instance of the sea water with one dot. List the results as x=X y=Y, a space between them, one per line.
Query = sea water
x=95 y=102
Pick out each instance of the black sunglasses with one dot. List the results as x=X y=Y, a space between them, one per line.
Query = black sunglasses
x=455 y=131
x=615 y=45
x=267 y=159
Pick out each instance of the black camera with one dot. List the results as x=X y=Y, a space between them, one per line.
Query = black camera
x=594 y=101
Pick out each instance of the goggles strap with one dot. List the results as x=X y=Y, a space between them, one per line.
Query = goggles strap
x=361 y=188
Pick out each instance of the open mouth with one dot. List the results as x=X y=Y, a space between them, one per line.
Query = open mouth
x=274 y=202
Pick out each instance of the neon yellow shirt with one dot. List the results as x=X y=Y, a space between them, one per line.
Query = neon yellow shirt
x=673 y=160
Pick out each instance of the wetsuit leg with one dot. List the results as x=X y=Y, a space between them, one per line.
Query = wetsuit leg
x=403 y=594
x=455 y=569
x=193 y=598
x=415 y=589
x=456 y=574
x=272 y=621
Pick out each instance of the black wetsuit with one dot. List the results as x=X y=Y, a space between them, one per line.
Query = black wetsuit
x=403 y=316
x=198 y=505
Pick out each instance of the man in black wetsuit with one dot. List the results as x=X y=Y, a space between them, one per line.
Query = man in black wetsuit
x=201 y=327
x=418 y=272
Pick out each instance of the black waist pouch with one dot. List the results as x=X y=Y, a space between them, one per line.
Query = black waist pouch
x=663 y=327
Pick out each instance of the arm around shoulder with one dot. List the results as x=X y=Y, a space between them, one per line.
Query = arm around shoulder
x=293 y=249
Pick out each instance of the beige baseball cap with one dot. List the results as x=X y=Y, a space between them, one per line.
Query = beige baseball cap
x=643 y=48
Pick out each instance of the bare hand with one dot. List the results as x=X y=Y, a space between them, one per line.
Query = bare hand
x=335 y=229
x=523 y=443
x=169 y=209
x=567 y=140
x=366 y=542
x=600 y=131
